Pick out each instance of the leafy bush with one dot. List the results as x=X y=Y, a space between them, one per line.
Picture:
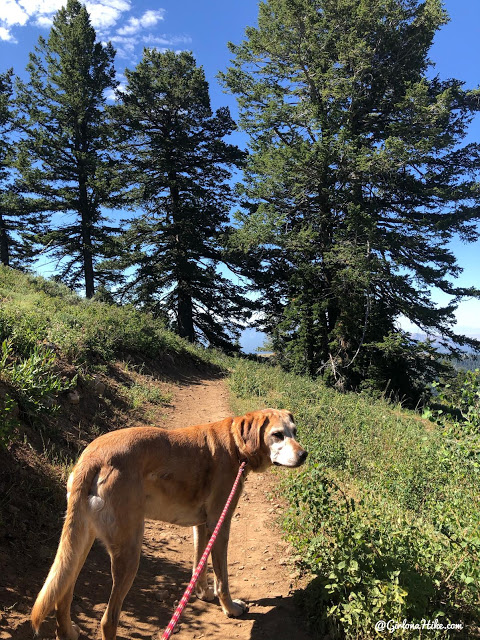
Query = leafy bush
x=457 y=415
x=385 y=516
x=33 y=378
x=460 y=401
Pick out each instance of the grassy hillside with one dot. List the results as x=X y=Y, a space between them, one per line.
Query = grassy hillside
x=71 y=369
x=386 y=514
x=52 y=341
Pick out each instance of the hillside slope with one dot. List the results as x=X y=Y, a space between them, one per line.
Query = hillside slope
x=71 y=369
x=384 y=519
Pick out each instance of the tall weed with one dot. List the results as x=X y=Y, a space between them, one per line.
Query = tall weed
x=33 y=379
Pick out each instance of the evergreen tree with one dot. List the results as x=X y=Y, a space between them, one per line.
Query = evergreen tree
x=356 y=182
x=18 y=224
x=67 y=156
x=180 y=165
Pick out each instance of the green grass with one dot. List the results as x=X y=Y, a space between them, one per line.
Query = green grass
x=140 y=393
x=36 y=310
x=386 y=514
x=44 y=325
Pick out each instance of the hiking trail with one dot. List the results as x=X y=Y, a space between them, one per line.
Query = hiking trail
x=260 y=568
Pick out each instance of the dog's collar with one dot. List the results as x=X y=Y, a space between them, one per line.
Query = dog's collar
x=242 y=460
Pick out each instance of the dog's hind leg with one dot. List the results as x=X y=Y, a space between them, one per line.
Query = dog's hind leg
x=66 y=630
x=200 y=540
x=124 y=557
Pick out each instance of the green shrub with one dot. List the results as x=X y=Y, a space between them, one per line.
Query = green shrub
x=385 y=516
x=86 y=332
x=460 y=401
x=33 y=378
x=43 y=323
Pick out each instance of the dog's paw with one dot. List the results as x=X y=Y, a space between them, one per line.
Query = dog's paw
x=237 y=608
x=71 y=635
x=206 y=594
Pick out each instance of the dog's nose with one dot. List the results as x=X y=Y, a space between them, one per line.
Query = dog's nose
x=303 y=455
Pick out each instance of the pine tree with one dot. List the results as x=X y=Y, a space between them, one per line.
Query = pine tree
x=356 y=181
x=19 y=226
x=67 y=156
x=180 y=165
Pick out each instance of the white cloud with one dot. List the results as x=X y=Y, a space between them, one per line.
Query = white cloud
x=149 y=19
x=124 y=45
x=6 y=36
x=103 y=13
x=39 y=7
x=166 y=41
x=130 y=46
x=13 y=14
x=106 y=13
x=106 y=17
x=110 y=95
x=44 y=22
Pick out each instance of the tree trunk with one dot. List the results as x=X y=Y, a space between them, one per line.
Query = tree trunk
x=309 y=343
x=4 y=252
x=185 y=316
x=184 y=299
x=87 y=250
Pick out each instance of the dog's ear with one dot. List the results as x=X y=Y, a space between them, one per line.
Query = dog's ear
x=252 y=427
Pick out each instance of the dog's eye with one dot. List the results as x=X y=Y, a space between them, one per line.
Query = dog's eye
x=278 y=435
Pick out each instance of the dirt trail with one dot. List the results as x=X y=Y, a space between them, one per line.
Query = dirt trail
x=259 y=569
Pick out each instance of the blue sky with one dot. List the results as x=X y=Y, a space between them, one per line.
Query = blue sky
x=205 y=28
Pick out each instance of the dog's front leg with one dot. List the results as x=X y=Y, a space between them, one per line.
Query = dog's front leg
x=200 y=540
x=219 y=559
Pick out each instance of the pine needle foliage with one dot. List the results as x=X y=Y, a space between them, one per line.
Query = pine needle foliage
x=357 y=180
x=179 y=166
x=67 y=155
x=18 y=224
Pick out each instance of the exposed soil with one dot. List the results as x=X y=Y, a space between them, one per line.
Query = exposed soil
x=259 y=563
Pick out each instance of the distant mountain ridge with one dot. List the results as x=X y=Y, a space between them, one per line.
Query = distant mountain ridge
x=422 y=337
x=252 y=339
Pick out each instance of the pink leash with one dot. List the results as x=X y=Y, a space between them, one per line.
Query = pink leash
x=188 y=591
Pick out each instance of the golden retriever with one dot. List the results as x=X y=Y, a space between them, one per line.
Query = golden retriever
x=182 y=476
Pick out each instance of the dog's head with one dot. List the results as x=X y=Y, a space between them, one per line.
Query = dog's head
x=269 y=437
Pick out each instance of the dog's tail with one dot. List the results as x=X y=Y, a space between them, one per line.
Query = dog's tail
x=73 y=542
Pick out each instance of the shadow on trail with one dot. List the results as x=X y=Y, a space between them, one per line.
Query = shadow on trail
x=177 y=369
x=282 y=622
x=143 y=616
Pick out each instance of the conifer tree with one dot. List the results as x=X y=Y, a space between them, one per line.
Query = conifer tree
x=67 y=155
x=180 y=166
x=19 y=226
x=356 y=182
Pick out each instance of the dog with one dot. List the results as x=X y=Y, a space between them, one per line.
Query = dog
x=182 y=476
